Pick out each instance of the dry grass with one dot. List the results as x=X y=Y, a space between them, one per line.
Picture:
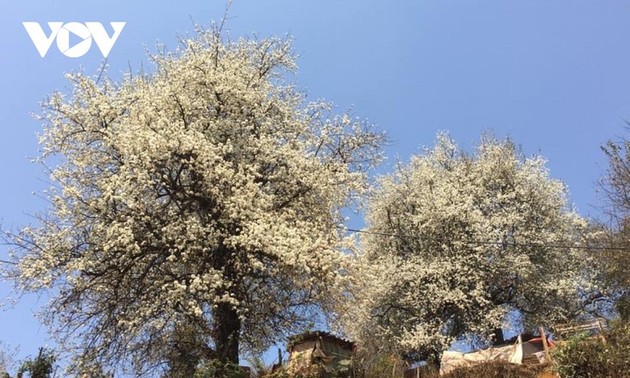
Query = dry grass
x=500 y=370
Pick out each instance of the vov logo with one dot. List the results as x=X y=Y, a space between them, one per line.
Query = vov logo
x=61 y=32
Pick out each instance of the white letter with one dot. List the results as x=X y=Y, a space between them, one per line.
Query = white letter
x=40 y=40
x=103 y=41
x=63 y=39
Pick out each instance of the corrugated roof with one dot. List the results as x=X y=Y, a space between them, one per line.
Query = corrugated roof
x=314 y=335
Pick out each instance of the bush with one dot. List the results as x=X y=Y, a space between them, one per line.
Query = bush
x=40 y=367
x=583 y=356
x=380 y=366
x=313 y=372
x=216 y=368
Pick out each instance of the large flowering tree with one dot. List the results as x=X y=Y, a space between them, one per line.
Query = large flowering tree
x=457 y=241
x=195 y=209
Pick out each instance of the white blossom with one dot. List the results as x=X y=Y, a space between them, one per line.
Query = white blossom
x=455 y=242
x=206 y=193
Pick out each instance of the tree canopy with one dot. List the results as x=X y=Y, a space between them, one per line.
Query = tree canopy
x=615 y=186
x=455 y=242
x=195 y=206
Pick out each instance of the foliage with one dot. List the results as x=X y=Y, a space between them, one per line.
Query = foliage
x=186 y=350
x=6 y=359
x=216 y=368
x=616 y=182
x=312 y=371
x=610 y=255
x=207 y=193
x=259 y=368
x=455 y=242
x=279 y=373
x=40 y=367
x=497 y=369
x=583 y=356
x=379 y=366
x=615 y=185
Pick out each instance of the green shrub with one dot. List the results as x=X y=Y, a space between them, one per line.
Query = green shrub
x=315 y=372
x=380 y=366
x=583 y=356
x=216 y=368
x=280 y=373
x=40 y=367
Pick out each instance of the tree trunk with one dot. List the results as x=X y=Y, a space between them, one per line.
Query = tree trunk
x=434 y=360
x=498 y=336
x=227 y=332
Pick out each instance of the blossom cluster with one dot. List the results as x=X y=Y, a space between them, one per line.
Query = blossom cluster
x=455 y=242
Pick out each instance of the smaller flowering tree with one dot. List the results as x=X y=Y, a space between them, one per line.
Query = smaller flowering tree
x=615 y=187
x=455 y=242
x=195 y=210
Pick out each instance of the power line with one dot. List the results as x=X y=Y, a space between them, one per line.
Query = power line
x=496 y=243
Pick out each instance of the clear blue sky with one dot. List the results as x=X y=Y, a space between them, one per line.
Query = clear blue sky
x=552 y=74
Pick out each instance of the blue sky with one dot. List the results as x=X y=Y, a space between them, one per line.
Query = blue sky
x=552 y=74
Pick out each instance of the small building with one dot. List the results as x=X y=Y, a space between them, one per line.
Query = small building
x=319 y=352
